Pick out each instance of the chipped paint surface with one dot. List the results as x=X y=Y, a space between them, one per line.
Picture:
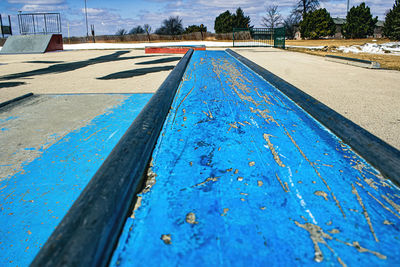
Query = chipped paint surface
x=34 y=201
x=319 y=203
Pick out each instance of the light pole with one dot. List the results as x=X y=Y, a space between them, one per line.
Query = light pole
x=87 y=27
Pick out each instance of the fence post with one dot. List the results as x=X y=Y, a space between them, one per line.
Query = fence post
x=9 y=22
x=1 y=26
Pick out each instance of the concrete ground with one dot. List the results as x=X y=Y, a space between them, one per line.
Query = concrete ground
x=368 y=97
x=29 y=127
x=95 y=71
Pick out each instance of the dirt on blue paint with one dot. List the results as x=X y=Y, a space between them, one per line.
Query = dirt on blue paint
x=246 y=177
x=34 y=202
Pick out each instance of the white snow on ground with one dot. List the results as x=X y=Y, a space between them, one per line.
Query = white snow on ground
x=90 y=46
x=371 y=48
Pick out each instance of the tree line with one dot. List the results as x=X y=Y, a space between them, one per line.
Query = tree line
x=312 y=21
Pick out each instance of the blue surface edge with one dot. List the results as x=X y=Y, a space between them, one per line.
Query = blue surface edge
x=374 y=150
x=89 y=232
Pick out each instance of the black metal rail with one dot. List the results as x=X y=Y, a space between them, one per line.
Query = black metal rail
x=88 y=233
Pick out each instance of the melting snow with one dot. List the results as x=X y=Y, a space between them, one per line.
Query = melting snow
x=391 y=47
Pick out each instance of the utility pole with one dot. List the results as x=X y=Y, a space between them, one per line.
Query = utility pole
x=347 y=7
x=87 y=27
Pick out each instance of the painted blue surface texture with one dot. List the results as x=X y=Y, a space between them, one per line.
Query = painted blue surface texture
x=33 y=202
x=244 y=177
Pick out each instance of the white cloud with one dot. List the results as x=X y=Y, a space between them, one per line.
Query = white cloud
x=43 y=8
x=37 y=2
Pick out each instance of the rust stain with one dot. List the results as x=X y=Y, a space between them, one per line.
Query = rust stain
x=366 y=215
x=318 y=237
x=394 y=205
x=321 y=194
x=279 y=180
x=167 y=239
x=191 y=218
x=273 y=151
x=316 y=171
x=360 y=249
x=212 y=179
x=180 y=103
x=383 y=205
x=225 y=212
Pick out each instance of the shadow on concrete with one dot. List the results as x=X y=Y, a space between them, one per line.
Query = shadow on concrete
x=134 y=73
x=11 y=84
x=159 y=61
x=44 y=62
x=65 y=67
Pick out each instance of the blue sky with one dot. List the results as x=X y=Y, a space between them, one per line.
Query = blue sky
x=109 y=16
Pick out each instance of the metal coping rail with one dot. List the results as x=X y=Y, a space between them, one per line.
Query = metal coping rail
x=88 y=233
x=378 y=153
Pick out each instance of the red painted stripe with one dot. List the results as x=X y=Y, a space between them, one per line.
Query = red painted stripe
x=170 y=50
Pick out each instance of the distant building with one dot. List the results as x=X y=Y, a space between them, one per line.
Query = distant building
x=378 y=31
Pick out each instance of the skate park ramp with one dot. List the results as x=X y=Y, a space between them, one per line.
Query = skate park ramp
x=32 y=44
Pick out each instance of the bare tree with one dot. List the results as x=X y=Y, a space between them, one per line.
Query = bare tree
x=290 y=23
x=305 y=6
x=273 y=18
x=171 y=26
x=147 y=29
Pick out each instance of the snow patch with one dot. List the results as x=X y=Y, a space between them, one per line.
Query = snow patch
x=386 y=48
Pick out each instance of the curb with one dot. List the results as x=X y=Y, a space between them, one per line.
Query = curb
x=378 y=153
x=15 y=100
x=354 y=62
x=89 y=232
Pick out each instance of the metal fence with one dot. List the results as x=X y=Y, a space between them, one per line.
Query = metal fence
x=39 y=23
x=259 y=37
x=5 y=29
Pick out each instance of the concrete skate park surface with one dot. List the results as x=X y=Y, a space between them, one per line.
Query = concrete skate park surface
x=369 y=98
x=71 y=72
x=85 y=100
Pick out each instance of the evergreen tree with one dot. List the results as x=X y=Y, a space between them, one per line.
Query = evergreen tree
x=359 y=22
x=226 y=21
x=240 y=20
x=223 y=23
x=317 y=24
x=391 y=28
x=195 y=28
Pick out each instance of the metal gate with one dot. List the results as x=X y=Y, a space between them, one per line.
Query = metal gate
x=245 y=37
x=39 y=23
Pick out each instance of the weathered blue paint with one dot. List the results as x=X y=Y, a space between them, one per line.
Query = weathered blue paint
x=33 y=202
x=246 y=177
